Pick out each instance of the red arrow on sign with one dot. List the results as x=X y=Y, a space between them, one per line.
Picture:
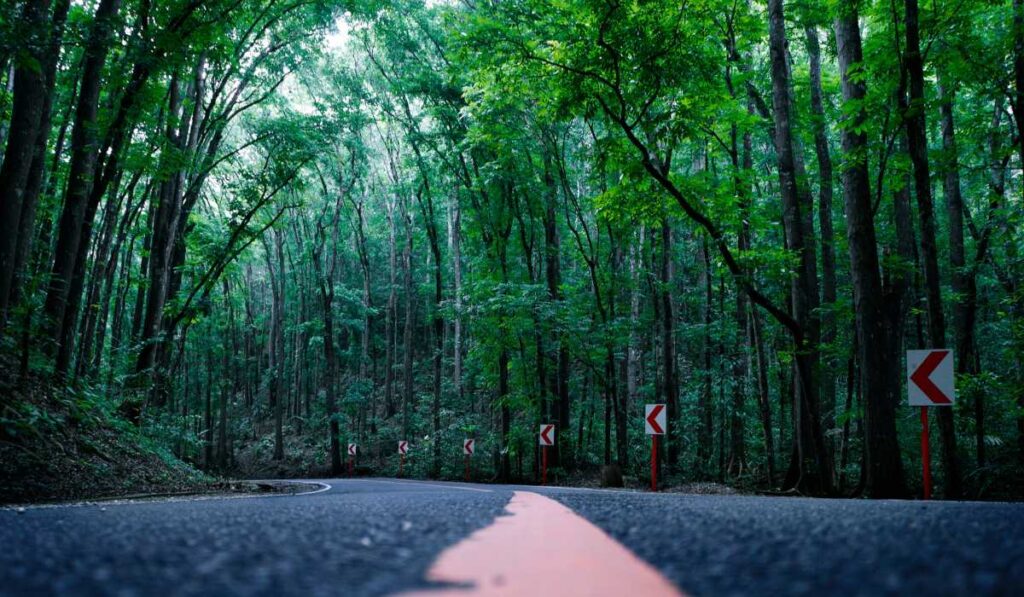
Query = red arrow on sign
x=922 y=377
x=652 y=418
x=467 y=447
x=403 y=447
x=545 y=436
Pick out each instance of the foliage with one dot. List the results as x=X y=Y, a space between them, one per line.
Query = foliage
x=431 y=221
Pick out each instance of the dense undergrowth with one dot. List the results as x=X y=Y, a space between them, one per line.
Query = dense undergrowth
x=60 y=442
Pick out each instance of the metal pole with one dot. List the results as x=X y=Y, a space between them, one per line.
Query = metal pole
x=926 y=460
x=544 y=465
x=654 y=463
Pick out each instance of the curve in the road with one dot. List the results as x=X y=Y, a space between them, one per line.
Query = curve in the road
x=370 y=537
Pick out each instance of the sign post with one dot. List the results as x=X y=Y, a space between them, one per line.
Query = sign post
x=352 y=459
x=926 y=458
x=403 y=449
x=654 y=425
x=545 y=438
x=930 y=382
x=468 y=445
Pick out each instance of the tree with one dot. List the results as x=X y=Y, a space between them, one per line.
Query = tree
x=883 y=470
x=256 y=230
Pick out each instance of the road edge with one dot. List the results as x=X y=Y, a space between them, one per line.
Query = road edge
x=156 y=498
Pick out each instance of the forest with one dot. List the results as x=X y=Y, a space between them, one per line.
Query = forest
x=251 y=232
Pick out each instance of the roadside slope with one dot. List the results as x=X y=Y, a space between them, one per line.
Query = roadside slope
x=63 y=443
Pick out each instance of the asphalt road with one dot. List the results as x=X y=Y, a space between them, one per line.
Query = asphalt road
x=377 y=536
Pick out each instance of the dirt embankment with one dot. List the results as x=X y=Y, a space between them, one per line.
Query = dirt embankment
x=67 y=443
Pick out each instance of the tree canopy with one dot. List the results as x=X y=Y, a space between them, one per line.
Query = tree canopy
x=261 y=230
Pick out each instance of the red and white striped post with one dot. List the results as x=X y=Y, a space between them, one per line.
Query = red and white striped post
x=930 y=382
x=546 y=437
x=654 y=425
x=468 y=446
x=403 y=447
x=926 y=459
x=654 y=463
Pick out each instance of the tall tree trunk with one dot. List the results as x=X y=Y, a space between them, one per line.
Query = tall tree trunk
x=558 y=385
x=456 y=243
x=117 y=325
x=705 y=407
x=998 y=168
x=763 y=394
x=437 y=321
x=670 y=384
x=407 y=372
x=425 y=198
x=30 y=91
x=737 y=461
x=76 y=216
x=809 y=466
x=879 y=371
x=275 y=344
x=390 y=316
x=1018 y=75
x=108 y=272
x=208 y=413
x=746 y=315
x=37 y=173
x=918 y=145
x=633 y=355
x=139 y=305
x=505 y=412
x=104 y=165
x=364 y=265
x=327 y=305
x=228 y=382
x=898 y=282
x=104 y=262
x=176 y=198
x=615 y=369
x=965 y=286
x=828 y=254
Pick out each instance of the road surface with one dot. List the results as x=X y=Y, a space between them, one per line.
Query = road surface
x=382 y=537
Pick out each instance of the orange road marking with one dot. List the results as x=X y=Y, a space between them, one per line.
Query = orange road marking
x=542 y=548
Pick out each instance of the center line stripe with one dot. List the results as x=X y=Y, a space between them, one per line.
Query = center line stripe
x=542 y=547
